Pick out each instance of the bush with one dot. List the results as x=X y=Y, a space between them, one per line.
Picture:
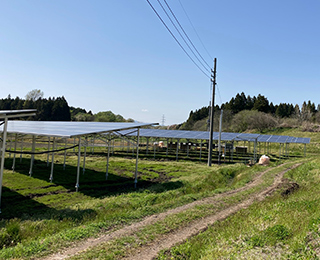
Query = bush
x=249 y=120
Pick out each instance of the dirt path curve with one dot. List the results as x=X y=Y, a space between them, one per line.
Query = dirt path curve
x=169 y=240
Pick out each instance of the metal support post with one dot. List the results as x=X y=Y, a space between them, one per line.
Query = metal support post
x=85 y=154
x=78 y=166
x=177 y=151
x=305 y=150
x=32 y=156
x=280 y=151
x=107 y=170
x=137 y=157
x=167 y=147
x=14 y=155
x=10 y=146
x=147 y=148
x=255 y=151
x=48 y=151
x=52 y=160
x=65 y=155
x=92 y=145
x=219 y=141
x=21 y=149
x=3 y=150
x=127 y=147
x=232 y=151
x=187 y=148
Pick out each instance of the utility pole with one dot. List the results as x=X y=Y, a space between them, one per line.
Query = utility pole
x=213 y=79
x=208 y=122
x=219 y=142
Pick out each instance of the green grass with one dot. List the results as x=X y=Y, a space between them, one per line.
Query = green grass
x=279 y=228
x=38 y=216
x=128 y=244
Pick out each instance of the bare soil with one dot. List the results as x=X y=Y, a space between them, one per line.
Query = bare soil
x=151 y=250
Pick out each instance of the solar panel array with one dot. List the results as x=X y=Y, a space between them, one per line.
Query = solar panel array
x=72 y=129
x=67 y=129
x=225 y=136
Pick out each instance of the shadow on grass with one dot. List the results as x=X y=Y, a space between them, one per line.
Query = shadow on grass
x=92 y=184
x=15 y=205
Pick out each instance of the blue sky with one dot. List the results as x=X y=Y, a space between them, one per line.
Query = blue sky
x=116 y=54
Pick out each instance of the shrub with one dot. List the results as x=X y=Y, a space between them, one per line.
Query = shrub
x=249 y=120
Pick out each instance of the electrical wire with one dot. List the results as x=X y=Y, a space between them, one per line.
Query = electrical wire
x=208 y=70
x=195 y=30
x=165 y=25
x=186 y=36
x=219 y=93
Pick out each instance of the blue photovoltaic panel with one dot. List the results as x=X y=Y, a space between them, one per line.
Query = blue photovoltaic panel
x=302 y=140
x=71 y=129
x=247 y=137
x=203 y=135
x=67 y=129
x=264 y=138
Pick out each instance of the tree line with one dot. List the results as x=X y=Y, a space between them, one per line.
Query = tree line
x=245 y=112
x=56 y=109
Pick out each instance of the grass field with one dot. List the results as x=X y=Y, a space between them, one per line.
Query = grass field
x=40 y=217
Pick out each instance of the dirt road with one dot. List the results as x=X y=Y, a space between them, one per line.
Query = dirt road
x=166 y=241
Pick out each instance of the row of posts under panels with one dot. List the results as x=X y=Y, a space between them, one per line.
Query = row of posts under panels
x=149 y=146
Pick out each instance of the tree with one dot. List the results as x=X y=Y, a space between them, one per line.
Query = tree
x=261 y=104
x=272 y=109
x=34 y=95
x=240 y=103
x=306 y=112
x=108 y=116
x=285 y=110
x=60 y=110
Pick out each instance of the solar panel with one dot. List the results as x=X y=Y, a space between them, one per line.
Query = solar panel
x=67 y=129
x=302 y=140
x=16 y=113
x=225 y=136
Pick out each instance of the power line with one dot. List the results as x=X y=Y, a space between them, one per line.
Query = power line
x=195 y=30
x=219 y=93
x=186 y=35
x=154 y=10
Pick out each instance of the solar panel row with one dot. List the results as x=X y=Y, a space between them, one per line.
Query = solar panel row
x=67 y=129
x=202 y=135
x=72 y=129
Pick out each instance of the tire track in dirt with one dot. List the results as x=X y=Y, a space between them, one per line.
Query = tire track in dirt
x=169 y=240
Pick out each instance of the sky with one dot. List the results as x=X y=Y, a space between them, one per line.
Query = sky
x=116 y=55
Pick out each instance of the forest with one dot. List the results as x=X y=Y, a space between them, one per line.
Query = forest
x=241 y=113
x=56 y=109
x=244 y=113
